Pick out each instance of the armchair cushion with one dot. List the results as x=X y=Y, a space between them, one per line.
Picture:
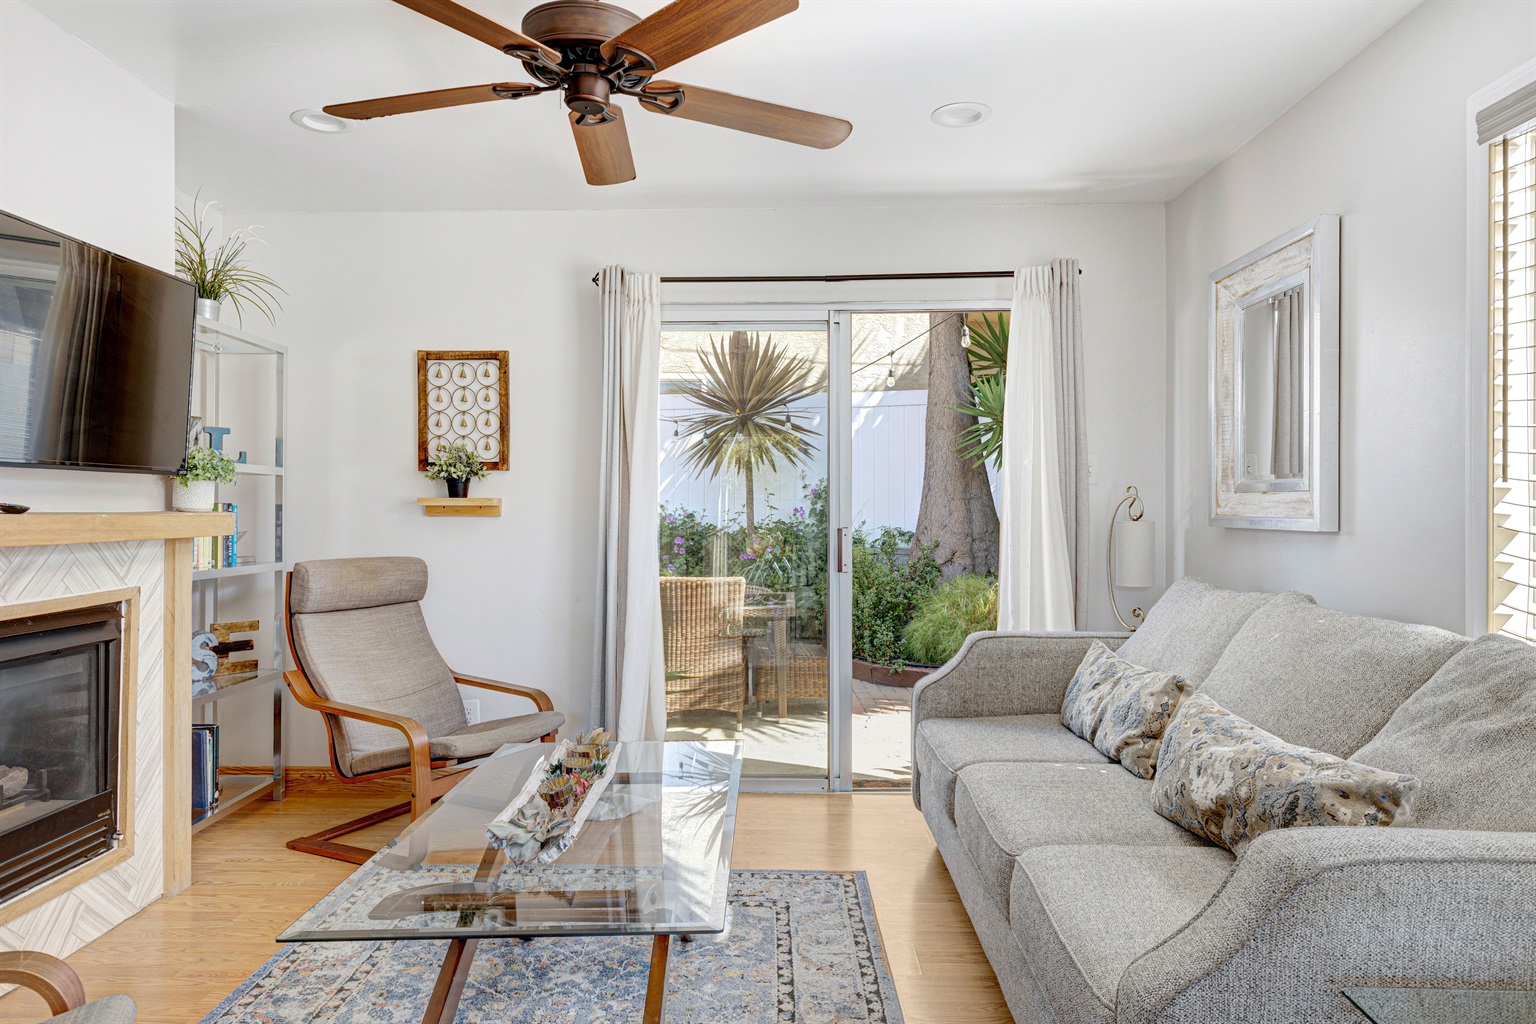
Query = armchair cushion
x=107 y=1010
x=472 y=741
x=381 y=658
x=339 y=584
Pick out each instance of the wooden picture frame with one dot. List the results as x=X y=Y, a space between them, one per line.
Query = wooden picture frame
x=445 y=396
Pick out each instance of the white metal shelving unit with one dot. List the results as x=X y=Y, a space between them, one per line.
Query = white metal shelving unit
x=232 y=389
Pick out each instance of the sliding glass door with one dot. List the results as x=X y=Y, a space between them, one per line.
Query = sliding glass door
x=813 y=482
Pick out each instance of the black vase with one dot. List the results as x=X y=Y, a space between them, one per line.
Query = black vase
x=458 y=486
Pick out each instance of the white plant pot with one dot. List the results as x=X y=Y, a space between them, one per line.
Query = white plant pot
x=208 y=307
x=196 y=496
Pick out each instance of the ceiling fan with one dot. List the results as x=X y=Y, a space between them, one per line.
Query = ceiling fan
x=594 y=52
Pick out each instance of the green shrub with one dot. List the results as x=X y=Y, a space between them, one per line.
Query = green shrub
x=958 y=608
x=888 y=589
x=202 y=463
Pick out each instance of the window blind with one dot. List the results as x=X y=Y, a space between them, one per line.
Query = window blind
x=1512 y=395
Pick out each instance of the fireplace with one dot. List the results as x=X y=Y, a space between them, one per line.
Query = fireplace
x=60 y=687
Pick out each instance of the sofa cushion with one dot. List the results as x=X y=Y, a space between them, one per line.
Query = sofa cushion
x=1469 y=734
x=1189 y=627
x=1121 y=708
x=1002 y=810
x=946 y=745
x=1085 y=914
x=1322 y=678
x=1225 y=779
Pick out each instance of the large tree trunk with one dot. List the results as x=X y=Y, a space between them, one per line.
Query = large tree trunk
x=751 y=504
x=956 y=509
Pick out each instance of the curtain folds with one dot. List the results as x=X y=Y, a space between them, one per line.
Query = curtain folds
x=631 y=678
x=1043 y=542
x=1290 y=381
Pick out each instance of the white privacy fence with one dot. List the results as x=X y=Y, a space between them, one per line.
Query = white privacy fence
x=888 y=434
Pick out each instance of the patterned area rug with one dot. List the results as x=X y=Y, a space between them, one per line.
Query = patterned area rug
x=801 y=947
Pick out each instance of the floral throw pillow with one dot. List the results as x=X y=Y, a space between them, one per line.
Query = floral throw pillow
x=1122 y=709
x=1224 y=778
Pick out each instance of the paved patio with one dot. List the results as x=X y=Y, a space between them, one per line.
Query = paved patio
x=796 y=747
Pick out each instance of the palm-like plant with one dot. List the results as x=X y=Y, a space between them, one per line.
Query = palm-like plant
x=746 y=421
x=988 y=353
x=989 y=346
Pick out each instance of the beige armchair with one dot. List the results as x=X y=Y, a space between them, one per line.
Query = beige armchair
x=391 y=704
x=60 y=988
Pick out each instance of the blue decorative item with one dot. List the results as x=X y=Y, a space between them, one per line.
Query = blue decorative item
x=216 y=437
x=204 y=663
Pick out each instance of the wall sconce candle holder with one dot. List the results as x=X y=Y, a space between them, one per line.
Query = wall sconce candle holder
x=1130 y=558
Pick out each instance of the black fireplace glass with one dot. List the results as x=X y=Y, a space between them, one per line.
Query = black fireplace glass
x=59 y=694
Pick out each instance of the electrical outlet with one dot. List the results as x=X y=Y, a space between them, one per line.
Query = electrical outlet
x=472 y=711
x=1093 y=467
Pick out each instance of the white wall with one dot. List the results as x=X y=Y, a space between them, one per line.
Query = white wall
x=1383 y=143
x=513 y=597
x=89 y=150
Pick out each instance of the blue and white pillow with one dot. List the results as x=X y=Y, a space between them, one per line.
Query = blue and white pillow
x=1121 y=708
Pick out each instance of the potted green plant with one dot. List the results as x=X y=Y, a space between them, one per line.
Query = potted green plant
x=457 y=463
x=221 y=272
x=192 y=486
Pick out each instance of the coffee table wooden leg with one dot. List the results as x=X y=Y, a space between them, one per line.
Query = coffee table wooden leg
x=656 y=989
x=450 y=982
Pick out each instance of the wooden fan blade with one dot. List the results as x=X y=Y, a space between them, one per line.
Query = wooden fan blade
x=604 y=148
x=464 y=20
x=743 y=115
x=686 y=27
x=384 y=106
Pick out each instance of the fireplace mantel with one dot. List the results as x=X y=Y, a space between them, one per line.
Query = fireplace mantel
x=49 y=558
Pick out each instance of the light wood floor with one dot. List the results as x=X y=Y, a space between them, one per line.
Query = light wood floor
x=179 y=957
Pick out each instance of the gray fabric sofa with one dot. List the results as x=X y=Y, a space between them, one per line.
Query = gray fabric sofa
x=1092 y=908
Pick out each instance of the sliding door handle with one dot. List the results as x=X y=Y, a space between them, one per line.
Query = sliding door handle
x=844 y=550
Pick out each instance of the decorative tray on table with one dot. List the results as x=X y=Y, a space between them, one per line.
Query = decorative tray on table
x=543 y=819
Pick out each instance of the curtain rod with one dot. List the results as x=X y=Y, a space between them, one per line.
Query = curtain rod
x=833 y=278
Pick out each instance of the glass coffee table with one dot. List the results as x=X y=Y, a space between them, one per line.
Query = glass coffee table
x=1444 y=1005
x=653 y=859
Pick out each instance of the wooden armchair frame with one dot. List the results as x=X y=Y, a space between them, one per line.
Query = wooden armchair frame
x=48 y=976
x=430 y=779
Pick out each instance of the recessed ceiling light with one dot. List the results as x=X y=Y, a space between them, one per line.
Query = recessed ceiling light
x=961 y=115
x=320 y=121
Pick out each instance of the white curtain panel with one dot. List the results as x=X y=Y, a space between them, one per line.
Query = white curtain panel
x=1034 y=563
x=1072 y=425
x=631 y=684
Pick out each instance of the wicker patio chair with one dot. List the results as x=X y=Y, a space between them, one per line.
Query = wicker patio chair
x=391 y=704
x=704 y=645
x=781 y=669
x=60 y=988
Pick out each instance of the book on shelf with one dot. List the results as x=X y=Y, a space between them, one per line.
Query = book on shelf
x=205 y=767
x=218 y=552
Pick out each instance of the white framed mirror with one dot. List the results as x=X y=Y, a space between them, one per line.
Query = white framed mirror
x=1275 y=384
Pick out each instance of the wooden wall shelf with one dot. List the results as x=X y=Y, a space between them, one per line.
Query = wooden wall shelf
x=460 y=506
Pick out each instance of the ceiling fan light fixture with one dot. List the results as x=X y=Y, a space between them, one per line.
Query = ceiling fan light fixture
x=320 y=121
x=960 y=115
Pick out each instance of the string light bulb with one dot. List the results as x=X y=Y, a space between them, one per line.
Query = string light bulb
x=890 y=374
x=965 y=335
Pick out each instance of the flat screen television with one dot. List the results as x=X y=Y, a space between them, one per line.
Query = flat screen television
x=95 y=356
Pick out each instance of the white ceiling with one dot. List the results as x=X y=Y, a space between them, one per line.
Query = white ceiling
x=1102 y=101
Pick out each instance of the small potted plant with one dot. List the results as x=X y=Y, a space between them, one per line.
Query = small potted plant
x=192 y=486
x=457 y=463
x=221 y=272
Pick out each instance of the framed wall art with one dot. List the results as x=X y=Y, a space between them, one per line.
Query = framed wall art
x=462 y=396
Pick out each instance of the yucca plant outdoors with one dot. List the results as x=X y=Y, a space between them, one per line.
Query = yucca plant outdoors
x=221 y=272
x=746 y=422
x=988 y=354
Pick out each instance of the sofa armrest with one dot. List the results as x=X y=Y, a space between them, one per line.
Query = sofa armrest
x=1308 y=912
x=1002 y=674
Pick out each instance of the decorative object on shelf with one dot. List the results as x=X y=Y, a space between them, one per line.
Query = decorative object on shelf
x=229 y=544
x=462 y=396
x=192 y=486
x=12 y=509
x=593 y=53
x=221 y=273
x=204 y=663
x=543 y=820
x=216 y=437
x=1275 y=384
x=1131 y=556
x=460 y=506
x=231 y=672
x=456 y=464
